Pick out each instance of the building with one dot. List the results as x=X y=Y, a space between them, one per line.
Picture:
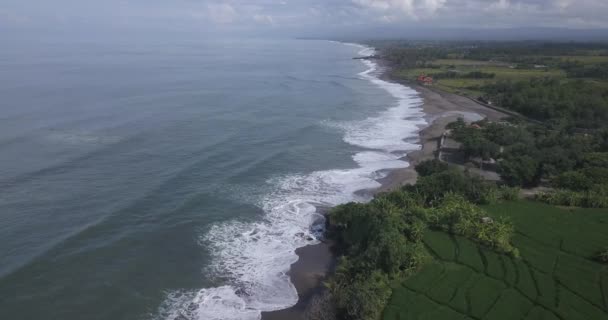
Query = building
x=425 y=80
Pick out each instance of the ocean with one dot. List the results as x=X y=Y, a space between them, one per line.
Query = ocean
x=143 y=180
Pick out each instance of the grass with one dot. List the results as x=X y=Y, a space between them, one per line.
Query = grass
x=466 y=62
x=503 y=73
x=471 y=87
x=555 y=277
x=586 y=59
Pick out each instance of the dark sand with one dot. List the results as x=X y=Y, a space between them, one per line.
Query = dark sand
x=441 y=108
x=317 y=261
x=307 y=275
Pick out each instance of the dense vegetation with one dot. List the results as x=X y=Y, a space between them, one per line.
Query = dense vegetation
x=455 y=246
x=574 y=163
x=467 y=75
x=577 y=103
x=565 y=83
x=383 y=241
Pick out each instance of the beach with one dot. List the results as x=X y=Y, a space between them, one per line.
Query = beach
x=441 y=108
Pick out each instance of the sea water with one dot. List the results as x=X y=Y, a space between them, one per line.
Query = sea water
x=176 y=180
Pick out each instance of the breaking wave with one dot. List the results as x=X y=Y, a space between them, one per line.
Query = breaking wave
x=253 y=258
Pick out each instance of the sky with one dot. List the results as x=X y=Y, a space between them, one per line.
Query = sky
x=298 y=17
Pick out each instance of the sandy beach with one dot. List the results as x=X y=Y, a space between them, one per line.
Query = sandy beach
x=441 y=108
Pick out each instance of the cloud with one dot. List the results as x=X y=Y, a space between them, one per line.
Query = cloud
x=263 y=19
x=489 y=13
x=301 y=16
x=221 y=13
x=412 y=8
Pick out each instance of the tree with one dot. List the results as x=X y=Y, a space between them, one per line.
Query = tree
x=574 y=180
x=520 y=171
x=429 y=167
x=364 y=298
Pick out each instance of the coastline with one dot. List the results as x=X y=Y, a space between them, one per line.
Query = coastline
x=441 y=108
x=316 y=262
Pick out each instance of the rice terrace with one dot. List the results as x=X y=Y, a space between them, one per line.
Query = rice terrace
x=555 y=277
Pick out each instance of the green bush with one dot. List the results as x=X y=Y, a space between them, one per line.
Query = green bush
x=595 y=159
x=458 y=216
x=382 y=241
x=430 y=167
x=573 y=180
x=490 y=195
x=362 y=298
x=509 y=194
x=520 y=170
x=594 y=198
x=434 y=187
x=596 y=175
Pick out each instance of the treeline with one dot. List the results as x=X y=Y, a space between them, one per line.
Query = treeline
x=578 y=103
x=575 y=69
x=528 y=52
x=464 y=75
x=414 y=57
x=382 y=242
x=574 y=163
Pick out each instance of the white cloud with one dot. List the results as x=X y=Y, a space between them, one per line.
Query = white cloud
x=221 y=13
x=263 y=19
x=304 y=15
x=412 y=8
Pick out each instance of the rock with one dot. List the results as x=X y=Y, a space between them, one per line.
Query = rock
x=487 y=220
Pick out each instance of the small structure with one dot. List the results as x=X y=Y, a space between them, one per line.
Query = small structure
x=425 y=80
x=484 y=100
x=487 y=220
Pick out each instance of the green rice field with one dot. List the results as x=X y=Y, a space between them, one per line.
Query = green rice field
x=469 y=87
x=555 y=277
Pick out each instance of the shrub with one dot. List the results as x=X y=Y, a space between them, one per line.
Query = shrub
x=594 y=198
x=509 y=194
x=458 y=216
x=490 y=195
x=595 y=159
x=520 y=171
x=597 y=175
x=434 y=187
x=430 y=167
x=362 y=298
x=560 y=198
x=573 y=180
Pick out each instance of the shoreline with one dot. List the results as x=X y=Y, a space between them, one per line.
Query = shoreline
x=316 y=262
x=441 y=108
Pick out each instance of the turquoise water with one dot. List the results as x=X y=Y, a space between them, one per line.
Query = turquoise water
x=157 y=181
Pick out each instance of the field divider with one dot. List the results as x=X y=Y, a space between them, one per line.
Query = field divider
x=442 y=304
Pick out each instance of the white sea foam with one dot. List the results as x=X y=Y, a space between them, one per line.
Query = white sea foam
x=254 y=257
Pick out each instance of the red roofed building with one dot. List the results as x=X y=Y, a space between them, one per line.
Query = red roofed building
x=425 y=80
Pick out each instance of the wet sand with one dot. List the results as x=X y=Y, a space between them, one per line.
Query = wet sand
x=441 y=108
x=307 y=274
x=316 y=262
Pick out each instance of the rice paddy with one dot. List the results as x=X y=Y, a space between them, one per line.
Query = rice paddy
x=554 y=278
